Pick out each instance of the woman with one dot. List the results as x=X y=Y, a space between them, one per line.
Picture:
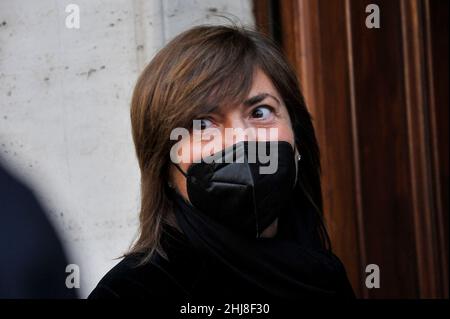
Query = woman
x=223 y=231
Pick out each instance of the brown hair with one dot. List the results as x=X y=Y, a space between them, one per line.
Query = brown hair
x=200 y=69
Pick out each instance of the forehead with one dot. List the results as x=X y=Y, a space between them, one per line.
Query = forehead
x=261 y=85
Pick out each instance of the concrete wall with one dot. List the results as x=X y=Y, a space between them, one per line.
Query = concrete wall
x=64 y=110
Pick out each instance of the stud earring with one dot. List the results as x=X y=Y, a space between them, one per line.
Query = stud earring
x=299 y=157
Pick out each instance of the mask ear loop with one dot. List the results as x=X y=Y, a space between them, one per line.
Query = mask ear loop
x=181 y=171
x=298 y=157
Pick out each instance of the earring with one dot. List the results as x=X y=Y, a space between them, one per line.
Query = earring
x=299 y=157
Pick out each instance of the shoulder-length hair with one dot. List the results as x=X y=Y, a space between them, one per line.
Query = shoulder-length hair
x=200 y=69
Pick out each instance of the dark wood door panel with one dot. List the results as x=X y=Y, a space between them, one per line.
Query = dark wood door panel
x=379 y=101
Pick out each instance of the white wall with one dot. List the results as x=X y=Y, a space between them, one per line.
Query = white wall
x=64 y=110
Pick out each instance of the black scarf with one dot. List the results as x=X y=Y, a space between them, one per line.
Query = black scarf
x=289 y=266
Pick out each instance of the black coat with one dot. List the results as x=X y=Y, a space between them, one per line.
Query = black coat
x=186 y=276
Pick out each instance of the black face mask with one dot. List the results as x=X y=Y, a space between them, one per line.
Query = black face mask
x=247 y=194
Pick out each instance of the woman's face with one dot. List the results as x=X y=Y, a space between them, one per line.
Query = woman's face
x=257 y=118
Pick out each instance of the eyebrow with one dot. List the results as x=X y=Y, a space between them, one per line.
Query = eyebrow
x=248 y=102
x=258 y=98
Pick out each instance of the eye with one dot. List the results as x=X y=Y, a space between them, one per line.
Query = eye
x=262 y=112
x=204 y=123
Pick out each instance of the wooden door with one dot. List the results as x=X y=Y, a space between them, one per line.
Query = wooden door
x=379 y=100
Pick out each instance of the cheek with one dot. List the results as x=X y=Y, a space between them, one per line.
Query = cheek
x=285 y=131
x=184 y=153
x=194 y=148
